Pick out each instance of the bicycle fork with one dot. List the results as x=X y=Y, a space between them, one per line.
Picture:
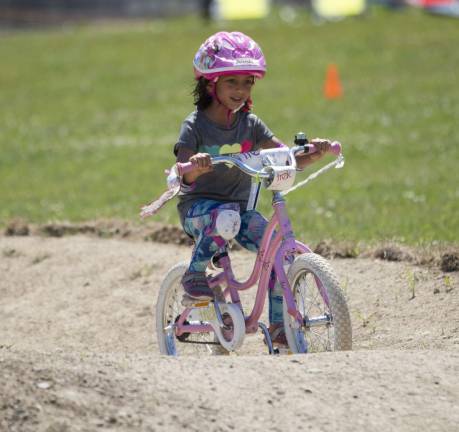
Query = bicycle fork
x=287 y=246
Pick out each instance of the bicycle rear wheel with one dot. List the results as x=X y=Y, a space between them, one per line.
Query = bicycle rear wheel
x=319 y=299
x=168 y=311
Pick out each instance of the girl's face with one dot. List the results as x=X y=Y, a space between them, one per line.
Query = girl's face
x=234 y=90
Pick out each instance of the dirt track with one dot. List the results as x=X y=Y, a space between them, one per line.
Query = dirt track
x=78 y=350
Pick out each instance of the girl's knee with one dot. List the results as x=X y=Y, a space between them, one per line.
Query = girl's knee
x=253 y=226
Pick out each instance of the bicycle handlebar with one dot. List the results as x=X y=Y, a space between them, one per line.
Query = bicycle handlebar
x=272 y=176
x=335 y=148
x=185 y=167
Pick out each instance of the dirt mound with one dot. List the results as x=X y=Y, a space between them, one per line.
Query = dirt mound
x=445 y=257
x=104 y=228
x=356 y=391
x=449 y=262
x=78 y=349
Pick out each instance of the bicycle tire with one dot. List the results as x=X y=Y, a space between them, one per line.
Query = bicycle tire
x=337 y=335
x=168 y=309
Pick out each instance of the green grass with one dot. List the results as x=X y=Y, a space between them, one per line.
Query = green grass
x=89 y=116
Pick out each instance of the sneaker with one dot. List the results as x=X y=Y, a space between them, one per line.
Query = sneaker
x=278 y=337
x=196 y=288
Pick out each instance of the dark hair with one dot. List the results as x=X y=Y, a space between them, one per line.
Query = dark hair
x=202 y=98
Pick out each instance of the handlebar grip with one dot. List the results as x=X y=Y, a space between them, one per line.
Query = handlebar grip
x=184 y=167
x=335 y=148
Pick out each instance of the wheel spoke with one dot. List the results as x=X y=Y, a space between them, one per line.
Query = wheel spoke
x=193 y=344
x=321 y=303
x=322 y=338
x=311 y=304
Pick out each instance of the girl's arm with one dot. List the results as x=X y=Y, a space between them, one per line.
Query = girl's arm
x=322 y=146
x=201 y=160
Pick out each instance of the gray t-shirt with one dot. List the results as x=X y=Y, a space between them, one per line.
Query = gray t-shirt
x=201 y=135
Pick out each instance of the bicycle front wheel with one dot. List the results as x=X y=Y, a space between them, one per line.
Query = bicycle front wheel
x=318 y=297
x=168 y=311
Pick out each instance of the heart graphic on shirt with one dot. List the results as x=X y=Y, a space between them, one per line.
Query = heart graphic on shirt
x=246 y=146
x=212 y=150
x=230 y=149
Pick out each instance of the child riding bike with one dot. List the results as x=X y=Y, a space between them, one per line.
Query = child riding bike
x=215 y=198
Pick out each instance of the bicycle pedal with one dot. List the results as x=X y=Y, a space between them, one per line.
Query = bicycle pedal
x=201 y=304
x=191 y=302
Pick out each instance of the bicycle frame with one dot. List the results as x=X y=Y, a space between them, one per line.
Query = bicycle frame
x=275 y=246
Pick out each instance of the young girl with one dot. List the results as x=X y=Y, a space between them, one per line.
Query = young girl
x=226 y=68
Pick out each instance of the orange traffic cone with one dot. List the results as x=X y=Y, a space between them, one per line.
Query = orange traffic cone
x=332 y=87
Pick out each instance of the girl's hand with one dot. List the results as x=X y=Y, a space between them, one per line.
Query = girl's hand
x=322 y=146
x=202 y=162
x=202 y=165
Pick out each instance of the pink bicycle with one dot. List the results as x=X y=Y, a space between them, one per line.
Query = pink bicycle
x=315 y=312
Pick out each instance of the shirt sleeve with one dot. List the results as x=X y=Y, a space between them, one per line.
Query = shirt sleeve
x=262 y=132
x=187 y=138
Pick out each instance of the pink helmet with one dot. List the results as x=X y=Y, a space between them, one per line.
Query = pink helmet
x=227 y=53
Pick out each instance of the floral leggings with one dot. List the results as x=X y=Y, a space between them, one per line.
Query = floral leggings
x=200 y=224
